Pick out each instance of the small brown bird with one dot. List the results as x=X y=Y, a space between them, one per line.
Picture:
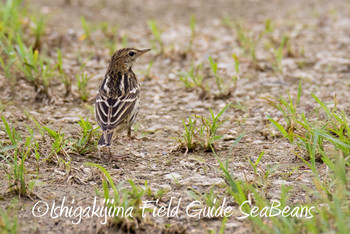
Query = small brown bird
x=117 y=101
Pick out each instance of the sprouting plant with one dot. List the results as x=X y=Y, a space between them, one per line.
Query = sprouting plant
x=2 y=107
x=65 y=164
x=235 y=77
x=86 y=142
x=8 y=58
x=209 y=199
x=157 y=34
x=193 y=78
x=11 y=15
x=205 y=134
x=208 y=129
x=65 y=78
x=125 y=40
x=38 y=29
x=123 y=200
x=278 y=55
x=218 y=79
x=59 y=142
x=193 y=31
x=154 y=195
x=19 y=151
x=249 y=41
x=310 y=134
x=324 y=132
x=263 y=174
x=8 y=221
x=82 y=82
x=110 y=35
x=112 y=47
x=189 y=134
x=35 y=68
x=109 y=31
x=88 y=30
x=82 y=60
x=288 y=109
x=255 y=164
x=148 y=71
x=36 y=149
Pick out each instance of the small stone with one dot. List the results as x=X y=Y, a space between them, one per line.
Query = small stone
x=172 y=176
x=87 y=171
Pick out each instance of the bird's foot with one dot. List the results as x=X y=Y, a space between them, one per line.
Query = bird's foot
x=112 y=158
x=106 y=150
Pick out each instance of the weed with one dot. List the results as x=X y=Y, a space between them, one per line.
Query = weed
x=110 y=33
x=123 y=199
x=38 y=30
x=112 y=47
x=87 y=138
x=8 y=59
x=224 y=89
x=125 y=40
x=278 y=55
x=58 y=144
x=65 y=164
x=218 y=79
x=82 y=82
x=82 y=60
x=36 y=149
x=239 y=106
x=193 y=78
x=235 y=77
x=35 y=68
x=151 y=195
x=2 y=107
x=189 y=134
x=88 y=30
x=210 y=199
x=65 y=78
x=327 y=138
x=8 y=221
x=19 y=151
x=90 y=108
x=203 y=135
x=208 y=129
x=249 y=41
x=223 y=224
x=263 y=174
x=311 y=135
x=157 y=34
x=193 y=31
x=148 y=71
x=11 y=15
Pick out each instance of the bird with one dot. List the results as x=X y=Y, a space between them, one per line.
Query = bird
x=117 y=101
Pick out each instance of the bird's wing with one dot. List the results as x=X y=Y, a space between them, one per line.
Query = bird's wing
x=110 y=112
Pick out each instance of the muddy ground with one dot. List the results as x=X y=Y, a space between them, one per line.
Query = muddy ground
x=319 y=36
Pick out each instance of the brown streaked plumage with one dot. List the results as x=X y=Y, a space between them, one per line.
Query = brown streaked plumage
x=117 y=100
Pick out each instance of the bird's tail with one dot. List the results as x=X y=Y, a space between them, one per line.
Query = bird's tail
x=106 y=139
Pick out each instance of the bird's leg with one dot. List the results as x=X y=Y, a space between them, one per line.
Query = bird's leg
x=99 y=148
x=109 y=153
x=129 y=132
x=113 y=157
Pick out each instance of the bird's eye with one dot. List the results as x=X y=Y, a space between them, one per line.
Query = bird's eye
x=131 y=53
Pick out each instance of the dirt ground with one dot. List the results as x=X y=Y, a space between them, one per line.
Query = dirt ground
x=320 y=29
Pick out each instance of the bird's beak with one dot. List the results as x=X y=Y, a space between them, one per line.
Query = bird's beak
x=144 y=51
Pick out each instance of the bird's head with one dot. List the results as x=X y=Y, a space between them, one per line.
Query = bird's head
x=126 y=57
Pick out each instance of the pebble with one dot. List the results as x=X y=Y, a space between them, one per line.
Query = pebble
x=171 y=176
